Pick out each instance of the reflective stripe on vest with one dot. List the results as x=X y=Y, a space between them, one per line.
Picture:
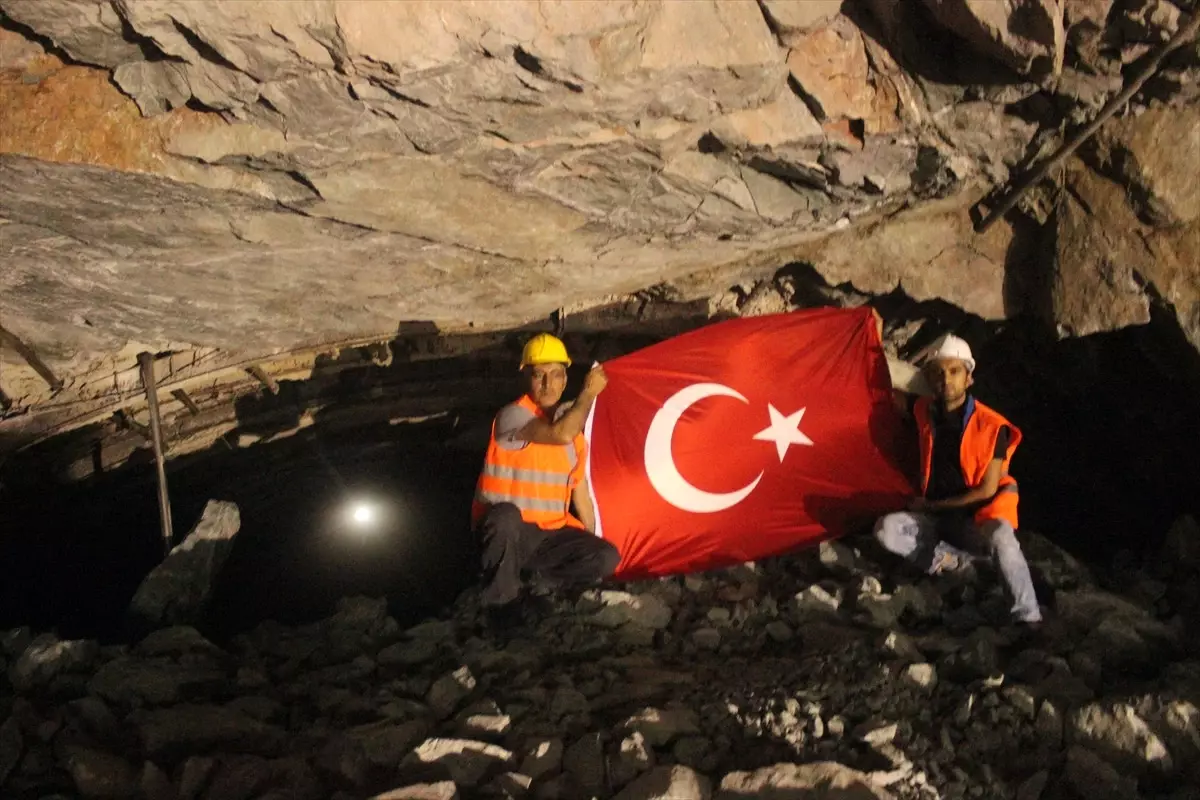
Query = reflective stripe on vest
x=523 y=503
x=537 y=478
x=981 y=427
x=531 y=475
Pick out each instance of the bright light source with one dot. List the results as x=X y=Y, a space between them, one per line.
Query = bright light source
x=364 y=517
x=363 y=514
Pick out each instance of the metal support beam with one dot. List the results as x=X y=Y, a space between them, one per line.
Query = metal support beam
x=559 y=317
x=31 y=358
x=146 y=361
x=266 y=380
x=183 y=397
x=1187 y=31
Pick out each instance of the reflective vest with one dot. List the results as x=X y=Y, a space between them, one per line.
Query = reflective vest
x=537 y=478
x=981 y=427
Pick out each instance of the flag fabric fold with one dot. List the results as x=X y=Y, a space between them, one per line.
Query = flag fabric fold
x=745 y=439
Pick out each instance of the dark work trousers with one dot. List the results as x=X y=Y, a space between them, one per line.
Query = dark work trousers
x=514 y=550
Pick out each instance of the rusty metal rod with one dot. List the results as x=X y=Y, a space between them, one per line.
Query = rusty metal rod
x=182 y=396
x=146 y=362
x=31 y=358
x=1186 y=31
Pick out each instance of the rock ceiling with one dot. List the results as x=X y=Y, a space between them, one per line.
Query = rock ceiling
x=231 y=184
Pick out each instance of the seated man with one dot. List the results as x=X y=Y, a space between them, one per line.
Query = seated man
x=534 y=469
x=966 y=491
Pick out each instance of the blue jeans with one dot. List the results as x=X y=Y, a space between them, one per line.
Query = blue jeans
x=914 y=535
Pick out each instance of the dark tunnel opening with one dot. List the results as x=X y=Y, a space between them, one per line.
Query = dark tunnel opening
x=75 y=555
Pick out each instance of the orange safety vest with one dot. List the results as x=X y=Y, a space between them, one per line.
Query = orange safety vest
x=981 y=427
x=538 y=478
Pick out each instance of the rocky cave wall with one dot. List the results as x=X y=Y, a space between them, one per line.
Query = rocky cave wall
x=230 y=186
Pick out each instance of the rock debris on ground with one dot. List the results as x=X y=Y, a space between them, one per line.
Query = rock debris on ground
x=832 y=670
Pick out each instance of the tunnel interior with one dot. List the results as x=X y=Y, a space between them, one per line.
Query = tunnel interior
x=75 y=555
x=1106 y=465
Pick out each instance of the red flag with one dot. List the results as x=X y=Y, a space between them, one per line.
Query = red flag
x=745 y=439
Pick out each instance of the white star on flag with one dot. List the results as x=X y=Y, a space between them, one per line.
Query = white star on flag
x=783 y=431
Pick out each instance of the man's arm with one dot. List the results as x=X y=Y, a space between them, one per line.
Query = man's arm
x=581 y=496
x=979 y=494
x=569 y=425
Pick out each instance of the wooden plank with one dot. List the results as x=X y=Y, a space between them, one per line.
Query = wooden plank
x=31 y=358
x=183 y=397
x=262 y=377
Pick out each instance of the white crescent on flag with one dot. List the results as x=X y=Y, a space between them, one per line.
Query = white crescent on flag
x=660 y=463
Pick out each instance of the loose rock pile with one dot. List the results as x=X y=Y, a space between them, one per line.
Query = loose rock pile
x=830 y=671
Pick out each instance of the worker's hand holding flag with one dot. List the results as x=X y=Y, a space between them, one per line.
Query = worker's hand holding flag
x=745 y=439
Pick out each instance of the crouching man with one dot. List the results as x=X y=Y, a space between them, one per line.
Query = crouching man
x=533 y=472
x=967 y=494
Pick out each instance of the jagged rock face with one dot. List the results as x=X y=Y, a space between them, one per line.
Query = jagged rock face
x=217 y=175
x=502 y=159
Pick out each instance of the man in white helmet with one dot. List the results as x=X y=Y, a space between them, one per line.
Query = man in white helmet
x=967 y=494
x=533 y=475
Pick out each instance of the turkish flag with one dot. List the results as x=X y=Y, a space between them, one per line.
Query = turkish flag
x=745 y=439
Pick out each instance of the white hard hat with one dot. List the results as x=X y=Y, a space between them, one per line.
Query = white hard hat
x=949 y=346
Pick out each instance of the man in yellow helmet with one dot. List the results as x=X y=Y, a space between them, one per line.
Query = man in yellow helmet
x=534 y=471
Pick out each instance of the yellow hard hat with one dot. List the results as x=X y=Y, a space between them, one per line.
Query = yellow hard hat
x=544 y=349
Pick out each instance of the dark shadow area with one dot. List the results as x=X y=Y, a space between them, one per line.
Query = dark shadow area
x=72 y=557
x=301 y=549
x=1108 y=461
x=1029 y=268
x=925 y=48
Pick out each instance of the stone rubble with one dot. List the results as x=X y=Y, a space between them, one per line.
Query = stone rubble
x=740 y=690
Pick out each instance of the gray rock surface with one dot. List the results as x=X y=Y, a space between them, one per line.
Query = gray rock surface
x=1117 y=732
x=176 y=591
x=442 y=790
x=465 y=761
x=99 y=774
x=1089 y=776
x=623 y=608
x=668 y=783
x=781 y=781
